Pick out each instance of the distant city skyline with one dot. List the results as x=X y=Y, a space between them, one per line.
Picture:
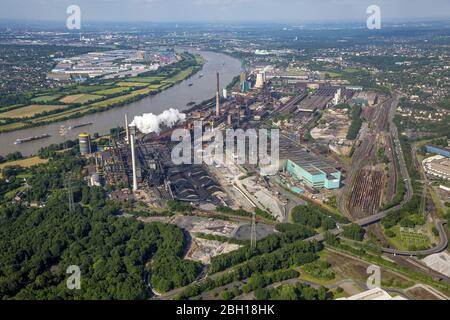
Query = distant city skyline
x=223 y=10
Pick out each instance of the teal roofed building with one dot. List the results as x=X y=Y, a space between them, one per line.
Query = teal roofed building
x=314 y=170
x=316 y=178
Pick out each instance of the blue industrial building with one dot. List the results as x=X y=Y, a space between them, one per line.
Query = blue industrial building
x=328 y=178
x=313 y=170
x=245 y=86
x=437 y=150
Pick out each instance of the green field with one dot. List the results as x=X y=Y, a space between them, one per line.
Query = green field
x=180 y=76
x=29 y=111
x=407 y=238
x=61 y=115
x=80 y=98
x=132 y=84
x=93 y=88
x=144 y=79
x=25 y=163
x=45 y=99
x=413 y=238
x=12 y=126
x=120 y=99
x=112 y=91
x=89 y=97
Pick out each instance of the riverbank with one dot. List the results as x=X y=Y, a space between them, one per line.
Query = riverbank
x=74 y=102
x=177 y=96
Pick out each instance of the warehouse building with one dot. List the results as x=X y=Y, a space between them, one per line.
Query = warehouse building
x=329 y=178
x=313 y=170
x=437 y=166
x=445 y=152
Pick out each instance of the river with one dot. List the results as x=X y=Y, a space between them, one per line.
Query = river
x=177 y=97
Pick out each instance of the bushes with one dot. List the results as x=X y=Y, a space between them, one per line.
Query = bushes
x=315 y=217
x=298 y=291
x=389 y=233
x=319 y=270
x=242 y=213
x=264 y=214
x=296 y=253
x=289 y=227
x=258 y=280
x=228 y=210
x=269 y=244
x=178 y=206
x=356 y=123
x=353 y=232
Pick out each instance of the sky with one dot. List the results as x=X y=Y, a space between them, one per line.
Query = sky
x=223 y=10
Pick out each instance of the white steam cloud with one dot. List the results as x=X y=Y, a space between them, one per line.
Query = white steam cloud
x=149 y=122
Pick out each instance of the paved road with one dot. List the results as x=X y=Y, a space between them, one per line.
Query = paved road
x=440 y=225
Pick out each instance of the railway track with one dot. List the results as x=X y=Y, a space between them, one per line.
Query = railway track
x=376 y=218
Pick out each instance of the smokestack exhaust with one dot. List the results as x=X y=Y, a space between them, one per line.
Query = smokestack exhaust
x=133 y=156
x=127 y=130
x=218 y=96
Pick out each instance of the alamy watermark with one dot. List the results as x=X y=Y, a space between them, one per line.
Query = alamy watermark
x=374 y=281
x=374 y=20
x=74 y=281
x=73 y=22
x=252 y=147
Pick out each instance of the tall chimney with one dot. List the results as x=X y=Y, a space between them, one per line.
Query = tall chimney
x=218 y=96
x=127 y=130
x=230 y=119
x=133 y=156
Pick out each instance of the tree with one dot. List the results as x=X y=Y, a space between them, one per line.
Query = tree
x=354 y=232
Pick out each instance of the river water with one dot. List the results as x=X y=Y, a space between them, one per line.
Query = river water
x=176 y=97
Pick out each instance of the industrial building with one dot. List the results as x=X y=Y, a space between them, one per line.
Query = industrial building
x=323 y=96
x=365 y=98
x=313 y=170
x=144 y=163
x=373 y=294
x=437 y=166
x=445 y=152
x=85 y=144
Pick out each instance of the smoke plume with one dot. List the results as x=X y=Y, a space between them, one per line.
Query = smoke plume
x=149 y=122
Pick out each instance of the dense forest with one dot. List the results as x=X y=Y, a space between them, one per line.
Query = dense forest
x=37 y=246
x=117 y=256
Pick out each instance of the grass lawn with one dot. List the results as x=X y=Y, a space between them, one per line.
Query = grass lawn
x=61 y=115
x=11 y=194
x=45 y=99
x=106 y=103
x=144 y=79
x=132 y=84
x=111 y=91
x=29 y=111
x=80 y=98
x=6 y=108
x=25 y=163
x=180 y=76
x=406 y=238
x=93 y=88
x=12 y=126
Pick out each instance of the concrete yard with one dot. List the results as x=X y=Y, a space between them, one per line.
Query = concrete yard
x=203 y=250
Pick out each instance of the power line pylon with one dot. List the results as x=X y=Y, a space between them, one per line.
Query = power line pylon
x=68 y=182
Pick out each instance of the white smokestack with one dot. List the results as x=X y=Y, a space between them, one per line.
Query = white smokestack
x=127 y=130
x=149 y=122
x=133 y=156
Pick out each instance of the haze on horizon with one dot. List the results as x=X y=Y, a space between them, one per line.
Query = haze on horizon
x=223 y=10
